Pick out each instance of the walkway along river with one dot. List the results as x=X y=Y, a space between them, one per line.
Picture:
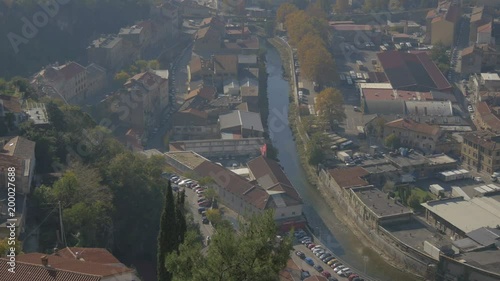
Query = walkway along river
x=335 y=235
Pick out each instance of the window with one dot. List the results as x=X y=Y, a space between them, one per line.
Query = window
x=282 y=214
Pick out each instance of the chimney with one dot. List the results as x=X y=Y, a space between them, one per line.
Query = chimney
x=56 y=251
x=45 y=261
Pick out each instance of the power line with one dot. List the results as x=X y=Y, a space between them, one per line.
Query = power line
x=43 y=221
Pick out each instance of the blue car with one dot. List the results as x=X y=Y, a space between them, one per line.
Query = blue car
x=309 y=261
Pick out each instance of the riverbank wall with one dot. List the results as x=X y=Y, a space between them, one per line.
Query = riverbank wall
x=394 y=251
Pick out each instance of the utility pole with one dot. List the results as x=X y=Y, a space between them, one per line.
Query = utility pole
x=63 y=236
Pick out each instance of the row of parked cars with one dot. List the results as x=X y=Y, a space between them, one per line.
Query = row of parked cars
x=326 y=257
x=203 y=203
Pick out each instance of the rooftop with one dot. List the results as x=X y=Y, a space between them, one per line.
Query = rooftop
x=486 y=259
x=412 y=69
x=413 y=159
x=189 y=158
x=488 y=116
x=377 y=92
x=490 y=77
x=378 y=202
x=247 y=120
x=108 y=42
x=352 y=27
x=411 y=125
x=440 y=159
x=485 y=139
x=467 y=215
x=349 y=177
x=10 y=103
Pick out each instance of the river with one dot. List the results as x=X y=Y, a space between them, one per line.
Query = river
x=335 y=235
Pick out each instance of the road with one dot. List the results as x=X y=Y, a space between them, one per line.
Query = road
x=192 y=198
x=178 y=87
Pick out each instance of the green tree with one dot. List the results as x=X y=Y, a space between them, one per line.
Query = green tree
x=414 y=201
x=252 y=254
x=330 y=106
x=214 y=216
x=168 y=235
x=5 y=247
x=315 y=148
x=121 y=77
x=392 y=141
x=180 y=217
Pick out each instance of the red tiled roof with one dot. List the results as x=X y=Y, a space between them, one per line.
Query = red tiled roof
x=71 y=69
x=97 y=255
x=409 y=124
x=205 y=92
x=412 y=69
x=467 y=51
x=226 y=63
x=485 y=28
x=436 y=19
x=349 y=177
x=146 y=78
x=30 y=267
x=10 y=103
x=488 y=117
x=485 y=139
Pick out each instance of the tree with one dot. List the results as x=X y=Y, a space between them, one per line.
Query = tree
x=392 y=141
x=252 y=254
x=210 y=193
x=168 y=235
x=388 y=186
x=330 y=106
x=317 y=64
x=315 y=148
x=214 y=216
x=205 y=181
x=341 y=6
x=121 y=77
x=284 y=10
x=5 y=247
x=414 y=201
x=180 y=217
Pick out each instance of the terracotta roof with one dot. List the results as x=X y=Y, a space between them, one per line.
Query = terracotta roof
x=30 y=267
x=485 y=28
x=349 y=177
x=147 y=79
x=467 y=51
x=71 y=69
x=437 y=19
x=352 y=27
x=409 y=124
x=10 y=103
x=488 y=117
x=251 y=43
x=477 y=14
x=205 y=92
x=235 y=184
x=225 y=63
x=484 y=139
x=97 y=255
x=431 y=14
x=412 y=69
x=270 y=176
x=19 y=147
x=238 y=31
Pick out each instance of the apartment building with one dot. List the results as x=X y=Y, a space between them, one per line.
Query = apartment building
x=481 y=151
x=442 y=23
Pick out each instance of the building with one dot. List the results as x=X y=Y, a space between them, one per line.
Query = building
x=249 y=147
x=481 y=151
x=248 y=46
x=471 y=60
x=97 y=80
x=241 y=124
x=413 y=72
x=149 y=92
x=193 y=124
x=10 y=109
x=412 y=134
x=457 y=217
x=484 y=34
x=67 y=82
x=480 y=16
x=17 y=152
x=138 y=36
x=208 y=40
x=111 y=51
x=442 y=23
x=376 y=209
x=241 y=195
x=487 y=117
x=70 y=264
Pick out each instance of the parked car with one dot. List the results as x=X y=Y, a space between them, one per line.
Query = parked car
x=309 y=261
x=304 y=274
x=332 y=261
x=201 y=209
x=300 y=254
x=205 y=220
x=318 y=268
x=326 y=274
x=327 y=259
x=311 y=246
x=352 y=276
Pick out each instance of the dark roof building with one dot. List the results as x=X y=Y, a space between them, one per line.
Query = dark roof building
x=413 y=72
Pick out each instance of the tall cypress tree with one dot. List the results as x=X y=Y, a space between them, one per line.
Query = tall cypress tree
x=180 y=217
x=168 y=236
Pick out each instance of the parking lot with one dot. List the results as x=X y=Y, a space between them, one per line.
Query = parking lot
x=304 y=265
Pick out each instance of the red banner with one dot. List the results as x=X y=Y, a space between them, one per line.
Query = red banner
x=263 y=150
